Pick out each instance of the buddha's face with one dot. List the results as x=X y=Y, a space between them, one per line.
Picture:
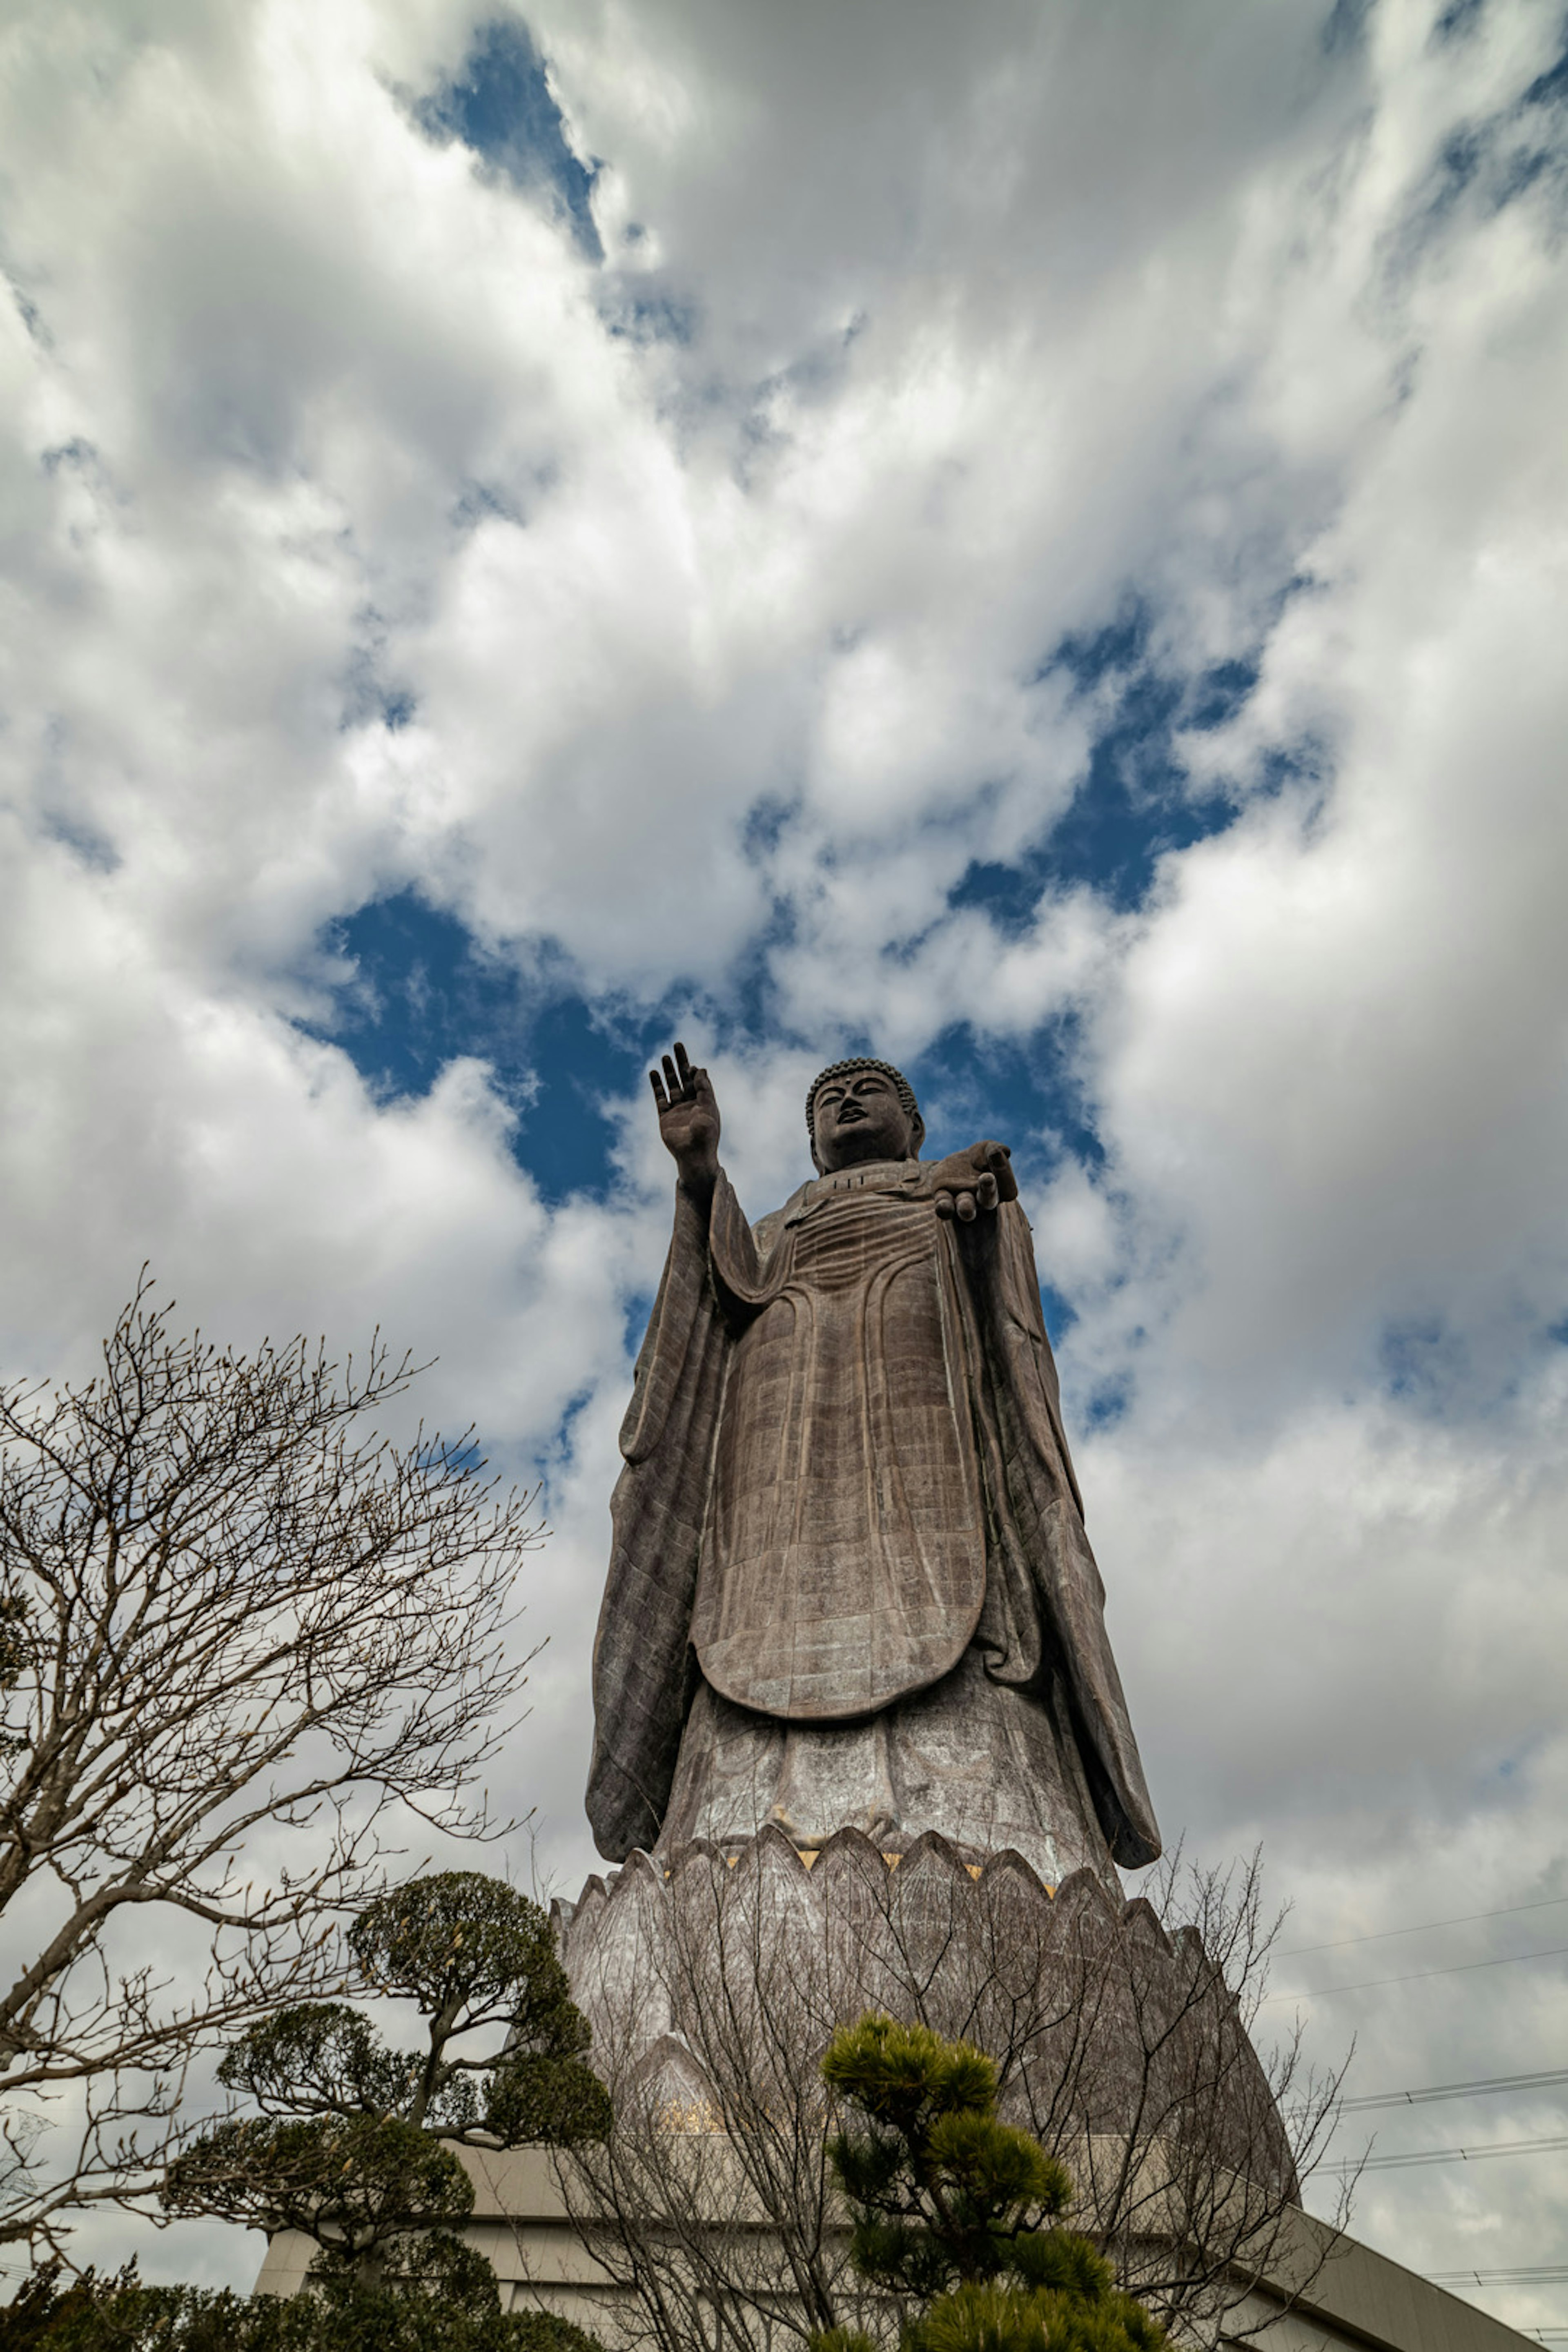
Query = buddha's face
x=858 y=1117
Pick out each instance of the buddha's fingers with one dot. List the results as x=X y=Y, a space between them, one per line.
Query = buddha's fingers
x=998 y=1161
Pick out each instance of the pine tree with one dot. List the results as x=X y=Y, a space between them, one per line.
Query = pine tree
x=353 y=2143
x=341 y=2314
x=958 y=2215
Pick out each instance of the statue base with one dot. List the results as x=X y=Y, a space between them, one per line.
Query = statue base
x=713 y=1979
x=700 y=1968
x=1357 y=2301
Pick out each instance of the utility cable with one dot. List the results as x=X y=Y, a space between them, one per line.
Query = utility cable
x=1464 y=1919
x=1448 y=2155
x=1460 y=1967
x=1526 y=2277
x=1454 y=2090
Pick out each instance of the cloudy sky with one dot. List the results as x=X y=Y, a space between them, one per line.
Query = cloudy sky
x=1028 y=539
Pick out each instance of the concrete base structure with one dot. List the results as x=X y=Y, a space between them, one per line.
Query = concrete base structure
x=1357 y=2299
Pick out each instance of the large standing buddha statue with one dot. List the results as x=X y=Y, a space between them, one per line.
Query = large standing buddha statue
x=850 y=1584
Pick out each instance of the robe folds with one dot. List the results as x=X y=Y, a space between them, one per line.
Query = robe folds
x=845 y=1469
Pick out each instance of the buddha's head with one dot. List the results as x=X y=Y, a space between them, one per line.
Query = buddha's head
x=862 y=1110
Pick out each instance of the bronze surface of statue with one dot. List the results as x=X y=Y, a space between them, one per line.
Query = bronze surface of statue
x=849 y=1583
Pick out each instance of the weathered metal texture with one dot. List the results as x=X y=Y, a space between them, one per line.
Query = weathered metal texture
x=843 y=1560
x=985 y=1764
x=703 y=1970
x=845 y=1480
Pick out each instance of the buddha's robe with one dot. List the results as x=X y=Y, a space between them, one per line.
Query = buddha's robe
x=845 y=1470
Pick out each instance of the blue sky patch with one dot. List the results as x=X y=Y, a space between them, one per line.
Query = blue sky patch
x=1135 y=804
x=1458 y=20
x=1344 y=27
x=1493 y=160
x=500 y=103
x=424 y=992
x=1549 y=89
x=659 y=316
x=1027 y=1091
x=1427 y=1364
x=370 y=696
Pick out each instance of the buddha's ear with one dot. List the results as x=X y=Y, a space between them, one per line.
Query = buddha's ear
x=816 y=1158
x=916 y=1135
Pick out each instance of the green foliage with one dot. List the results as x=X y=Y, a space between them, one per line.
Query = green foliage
x=535 y=2097
x=473 y=1953
x=457 y=1940
x=320 y=2056
x=959 y=2215
x=352 y=2145
x=42 y=2310
x=350 y=2182
x=460 y=2313
x=994 y=2317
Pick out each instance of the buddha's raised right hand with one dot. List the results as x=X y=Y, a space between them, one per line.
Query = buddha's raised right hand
x=688 y=1120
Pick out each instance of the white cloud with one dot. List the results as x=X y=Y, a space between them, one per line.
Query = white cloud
x=1001 y=327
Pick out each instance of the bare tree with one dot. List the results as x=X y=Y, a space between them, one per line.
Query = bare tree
x=710 y=2205
x=244 y=1636
x=1120 y=2032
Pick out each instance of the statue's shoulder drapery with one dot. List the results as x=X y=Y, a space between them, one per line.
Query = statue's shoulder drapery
x=851 y=1308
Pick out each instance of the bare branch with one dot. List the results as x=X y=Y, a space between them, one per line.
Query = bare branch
x=228 y=1606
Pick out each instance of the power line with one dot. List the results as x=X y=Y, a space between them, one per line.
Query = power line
x=1449 y=2155
x=1464 y=1919
x=1455 y=2091
x=1460 y=1967
x=1541 y=2276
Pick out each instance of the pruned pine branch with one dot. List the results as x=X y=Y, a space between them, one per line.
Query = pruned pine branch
x=228 y=1607
x=353 y=2143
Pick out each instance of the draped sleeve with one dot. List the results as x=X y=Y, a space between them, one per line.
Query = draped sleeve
x=641 y=1660
x=1039 y=1515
